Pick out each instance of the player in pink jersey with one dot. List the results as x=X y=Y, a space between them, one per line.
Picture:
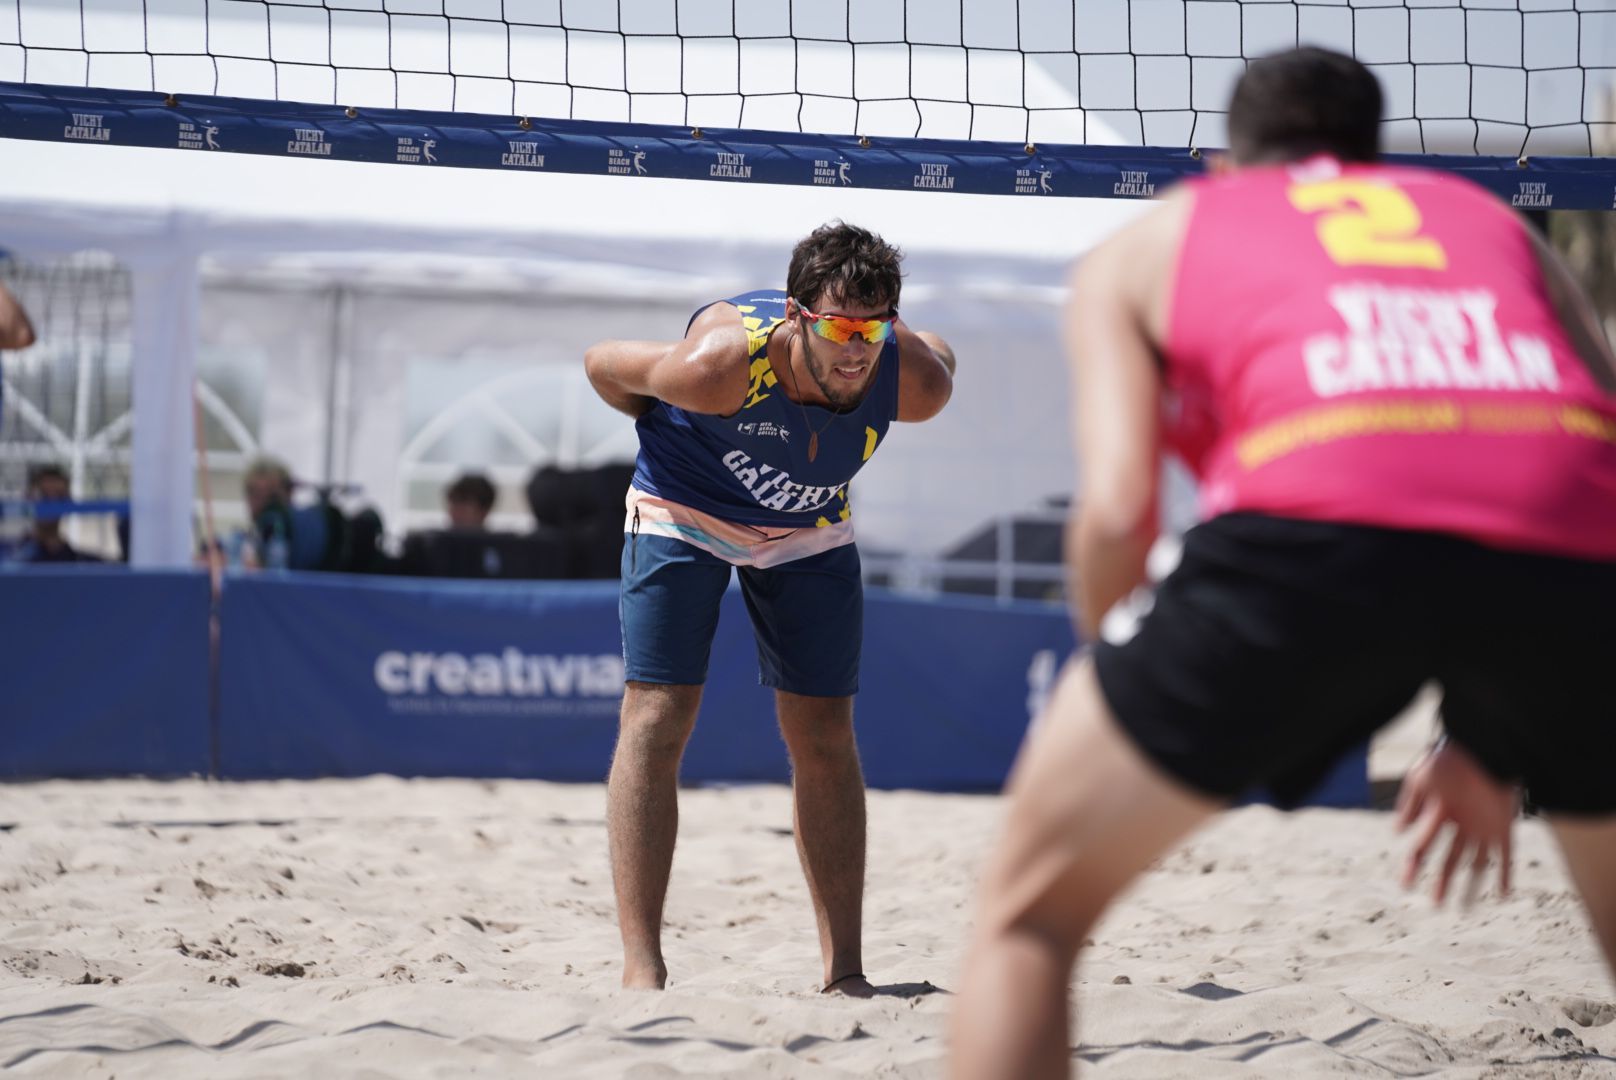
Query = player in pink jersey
x=1400 y=408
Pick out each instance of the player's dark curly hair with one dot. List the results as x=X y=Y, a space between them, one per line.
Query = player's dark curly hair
x=1294 y=104
x=857 y=265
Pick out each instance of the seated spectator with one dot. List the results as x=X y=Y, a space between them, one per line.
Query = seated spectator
x=45 y=542
x=267 y=489
x=469 y=500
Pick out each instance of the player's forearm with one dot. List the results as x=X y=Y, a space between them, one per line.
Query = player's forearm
x=616 y=370
x=1105 y=562
x=16 y=332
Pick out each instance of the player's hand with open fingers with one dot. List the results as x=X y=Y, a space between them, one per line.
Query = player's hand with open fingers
x=1449 y=787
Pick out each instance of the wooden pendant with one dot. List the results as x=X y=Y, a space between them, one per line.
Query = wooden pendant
x=813 y=445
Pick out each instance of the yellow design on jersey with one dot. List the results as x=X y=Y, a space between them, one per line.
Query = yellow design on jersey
x=869 y=442
x=1368 y=224
x=761 y=374
x=841 y=515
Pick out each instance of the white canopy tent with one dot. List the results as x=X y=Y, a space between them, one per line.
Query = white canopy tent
x=588 y=257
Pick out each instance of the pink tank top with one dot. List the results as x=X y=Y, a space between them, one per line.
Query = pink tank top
x=1375 y=345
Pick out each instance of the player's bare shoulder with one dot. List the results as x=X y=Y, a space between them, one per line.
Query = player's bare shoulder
x=1135 y=267
x=713 y=358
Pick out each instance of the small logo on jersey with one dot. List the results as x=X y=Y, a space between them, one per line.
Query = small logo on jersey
x=765 y=429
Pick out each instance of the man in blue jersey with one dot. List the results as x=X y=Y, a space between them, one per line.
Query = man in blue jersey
x=750 y=429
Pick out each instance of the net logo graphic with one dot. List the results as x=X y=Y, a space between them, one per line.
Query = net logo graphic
x=411 y=152
x=1533 y=196
x=831 y=173
x=730 y=166
x=506 y=683
x=88 y=127
x=626 y=163
x=1135 y=183
x=1034 y=182
x=522 y=155
x=308 y=142
x=934 y=175
x=191 y=138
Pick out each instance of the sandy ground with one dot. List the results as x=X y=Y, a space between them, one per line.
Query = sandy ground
x=385 y=927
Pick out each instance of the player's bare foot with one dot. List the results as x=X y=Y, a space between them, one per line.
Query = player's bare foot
x=645 y=976
x=853 y=985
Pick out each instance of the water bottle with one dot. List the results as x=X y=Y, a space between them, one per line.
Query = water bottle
x=277 y=551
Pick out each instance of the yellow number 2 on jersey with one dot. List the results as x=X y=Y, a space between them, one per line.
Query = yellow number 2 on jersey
x=1368 y=224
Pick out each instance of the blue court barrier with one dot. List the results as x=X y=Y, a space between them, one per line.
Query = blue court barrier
x=330 y=675
x=107 y=672
x=323 y=675
x=103 y=671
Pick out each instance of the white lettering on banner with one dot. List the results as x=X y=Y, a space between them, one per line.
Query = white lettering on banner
x=1134 y=182
x=409 y=151
x=626 y=162
x=730 y=166
x=1423 y=338
x=831 y=173
x=524 y=155
x=1533 y=196
x=87 y=127
x=773 y=487
x=934 y=174
x=309 y=142
x=508 y=674
x=1033 y=182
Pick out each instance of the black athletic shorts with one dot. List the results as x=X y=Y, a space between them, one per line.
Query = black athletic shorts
x=1277 y=645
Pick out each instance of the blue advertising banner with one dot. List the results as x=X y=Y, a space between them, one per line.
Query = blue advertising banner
x=330 y=676
x=326 y=675
x=421 y=139
x=104 y=672
x=947 y=688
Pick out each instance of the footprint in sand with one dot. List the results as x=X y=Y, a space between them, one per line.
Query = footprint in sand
x=1585 y=1012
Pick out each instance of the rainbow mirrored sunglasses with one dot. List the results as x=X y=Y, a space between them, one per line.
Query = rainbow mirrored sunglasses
x=841 y=329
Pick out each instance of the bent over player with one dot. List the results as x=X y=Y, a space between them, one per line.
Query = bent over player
x=750 y=429
x=1400 y=412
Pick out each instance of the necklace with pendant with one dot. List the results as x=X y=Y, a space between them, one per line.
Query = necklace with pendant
x=813 y=436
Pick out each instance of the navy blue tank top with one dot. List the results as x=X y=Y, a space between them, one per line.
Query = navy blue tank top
x=752 y=467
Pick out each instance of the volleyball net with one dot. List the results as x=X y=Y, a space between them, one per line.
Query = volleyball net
x=1109 y=98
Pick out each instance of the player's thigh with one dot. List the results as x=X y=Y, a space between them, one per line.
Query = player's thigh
x=1589 y=844
x=668 y=606
x=1087 y=813
x=808 y=619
